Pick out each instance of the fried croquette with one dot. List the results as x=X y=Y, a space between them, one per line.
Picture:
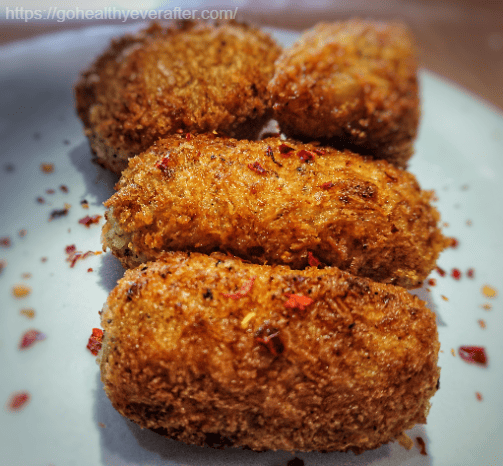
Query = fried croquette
x=210 y=350
x=275 y=202
x=196 y=77
x=353 y=83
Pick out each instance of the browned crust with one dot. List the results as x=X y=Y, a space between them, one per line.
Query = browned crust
x=351 y=371
x=189 y=77
x=360 y=215
x=353 y=83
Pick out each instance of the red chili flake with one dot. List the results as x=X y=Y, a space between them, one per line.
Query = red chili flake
x=305 y=155
x=440 y=271
x=269 y=337
x=297 y=301
x=70 y=249
x=64 y=188
x=313 y=261
x=454 y=243
x=50 y=191
x=95 y=341
x=243 y=291
x=165 y=165
x=30 y=337
x=40 y=200
x=257 y=168
x=88 y=221
x=327 y=185
x=319 y=151
x=422 y=446
x=188 y=136
x=479 y=396
x=473 y=354
x=74 y=255
x=18 y=401
x=5 y=242
x=58 y=213
x=78 y=256
x=3 y=264
x=90 y=269
x=285 y=150
x=84 y=204
x=470 y=273
x=432 y=282
x=456 y=274
x=47 y=167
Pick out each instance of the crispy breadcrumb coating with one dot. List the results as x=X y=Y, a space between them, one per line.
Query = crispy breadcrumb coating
x=353 y=83
x=275 y=202
x=210 y=350
x=194 y=76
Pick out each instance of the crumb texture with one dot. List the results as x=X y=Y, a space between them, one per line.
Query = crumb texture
x=274 y=202
x=352 y=83
x=189 y=77
x=350 y=368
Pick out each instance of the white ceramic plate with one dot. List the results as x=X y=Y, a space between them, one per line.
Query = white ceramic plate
x=68 y=419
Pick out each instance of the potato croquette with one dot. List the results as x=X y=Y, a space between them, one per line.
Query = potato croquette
x=195 y=77
x=275 y=202
x=210 y=350
x=353 y=83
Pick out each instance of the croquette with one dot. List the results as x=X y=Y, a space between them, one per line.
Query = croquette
x=353 y=84
x=213 y=351
x=189 y=77
x=276 y=202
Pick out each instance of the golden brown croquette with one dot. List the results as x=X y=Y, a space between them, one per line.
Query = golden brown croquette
x=352 y=83
x=275 y=202
x=210 y=350
x=191 y=77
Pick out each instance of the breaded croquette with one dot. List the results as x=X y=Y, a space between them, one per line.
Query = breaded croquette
x=195 y=77
x=352 y=83
x=274 y=202
x=210 y=350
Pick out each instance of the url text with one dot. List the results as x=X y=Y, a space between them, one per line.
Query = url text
x=112 y=13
